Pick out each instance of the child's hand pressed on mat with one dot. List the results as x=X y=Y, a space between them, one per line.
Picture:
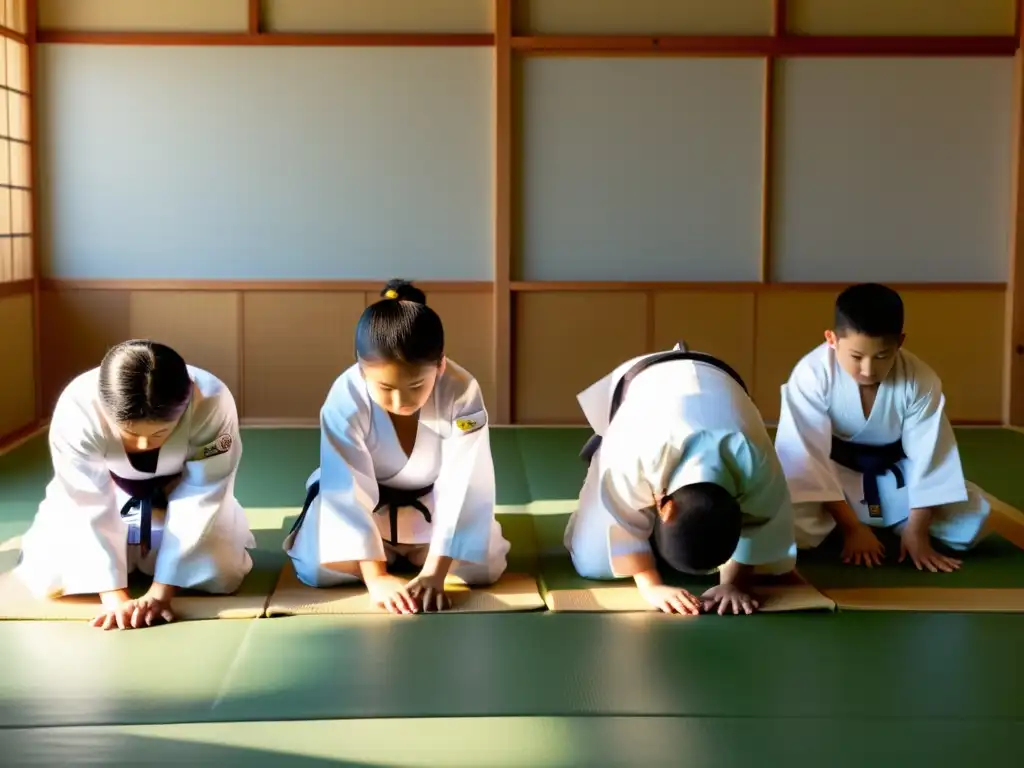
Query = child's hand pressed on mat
x=669 y=599
x=120 y=611
x=392 y=594
x=918 y=545
x=428 y=590
x=729 y=597
x=861 y=546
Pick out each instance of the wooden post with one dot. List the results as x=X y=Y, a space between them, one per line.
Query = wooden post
x=503 y=212
x=1013 y=367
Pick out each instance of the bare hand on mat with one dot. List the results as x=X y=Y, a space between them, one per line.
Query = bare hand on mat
x=669 y=599
x=729 y=597
x=918 y=545
x=391 y=593
x=122 y=612
x=861 y=546
x=428 y=590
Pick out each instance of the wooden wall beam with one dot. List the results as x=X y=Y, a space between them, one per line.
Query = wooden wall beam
x=768 y=45
x=71 y=284
x=17 y=288
x=33 y=197
x=255 y=17
x=294 y=39
x=1013 y=366
x=503 y=330
x=731 y=287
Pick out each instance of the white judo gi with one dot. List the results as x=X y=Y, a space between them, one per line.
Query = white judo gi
x=821 y=400
x=361 y=458
x=681 y=423
x=79 y=543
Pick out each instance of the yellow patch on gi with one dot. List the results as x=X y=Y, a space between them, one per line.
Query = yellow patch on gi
x=465 y=424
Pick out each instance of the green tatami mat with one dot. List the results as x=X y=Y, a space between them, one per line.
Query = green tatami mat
x=66 y=673
x=780 y=665
x=531 y=742
x=275 y=466
x=994 y=564
x=993 y=458
x=551 y=456
x=509 y=474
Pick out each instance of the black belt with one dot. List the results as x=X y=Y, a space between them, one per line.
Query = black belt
x=872 y=461
x=683 y=353
x=392 y=498
x=145 y=495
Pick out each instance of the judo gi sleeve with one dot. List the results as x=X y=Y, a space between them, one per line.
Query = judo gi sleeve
x=464 y=492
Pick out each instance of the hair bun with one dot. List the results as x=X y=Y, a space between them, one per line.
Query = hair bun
x=403 y=290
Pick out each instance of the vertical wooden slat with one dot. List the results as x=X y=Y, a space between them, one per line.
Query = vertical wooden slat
x=1013 y=367
x=240 y=394
x=768 y=147
x=255 y=20
x=33 y=196
x=503 y=211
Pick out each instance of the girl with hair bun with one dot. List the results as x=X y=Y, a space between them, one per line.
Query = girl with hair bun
x=145 y=449
x=405 y=467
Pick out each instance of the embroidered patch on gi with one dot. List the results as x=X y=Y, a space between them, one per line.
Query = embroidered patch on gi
x=471 y=423
x=221 y=445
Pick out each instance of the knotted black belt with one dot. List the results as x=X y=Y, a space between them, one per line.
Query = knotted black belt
x=872 y=461
x=683 y=353
x=392 y=498
x=145 y=495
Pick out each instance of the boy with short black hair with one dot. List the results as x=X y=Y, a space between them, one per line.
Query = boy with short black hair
x=865 y=442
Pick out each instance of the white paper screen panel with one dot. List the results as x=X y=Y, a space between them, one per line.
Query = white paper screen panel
x=249 y=163
x=641 y=169
x=893 y=170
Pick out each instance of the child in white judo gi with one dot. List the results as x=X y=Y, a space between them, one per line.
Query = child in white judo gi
x=865 y=442
x=405 y=467
x=145 y=451
x=682 y=471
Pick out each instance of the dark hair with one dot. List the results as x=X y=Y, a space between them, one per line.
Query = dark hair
x=704 y=532
x=400 y=328
x=142 y=380
x=871 y=309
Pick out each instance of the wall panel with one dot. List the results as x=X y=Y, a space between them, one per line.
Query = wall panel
x=717 y=323
x=567 y=341
x=892 y=170
x=901 y=17
x=641 y=169
x=469 y=335
x=642 y=17
x=18 y=402
x=202 y=326
x=266 y=162
x=453 y=16
x=145 y=15
x=77 y=329
x=961 y=335
x=296 y=345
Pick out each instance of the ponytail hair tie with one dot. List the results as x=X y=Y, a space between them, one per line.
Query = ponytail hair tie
x=391 y=293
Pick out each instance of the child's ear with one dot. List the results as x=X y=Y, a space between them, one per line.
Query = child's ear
x=441 y=366
x=831 y=338
x=903 y=337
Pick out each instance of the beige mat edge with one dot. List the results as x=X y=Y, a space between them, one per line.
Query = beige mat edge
x=623 y=597
x=944 y=599
x=514 y=592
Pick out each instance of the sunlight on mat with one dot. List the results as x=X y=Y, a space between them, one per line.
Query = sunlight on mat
x=513 y=592
x=990 y=580
x=566 y=591
x=249 y=602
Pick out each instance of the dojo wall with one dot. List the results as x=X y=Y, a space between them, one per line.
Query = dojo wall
x=243 y=202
